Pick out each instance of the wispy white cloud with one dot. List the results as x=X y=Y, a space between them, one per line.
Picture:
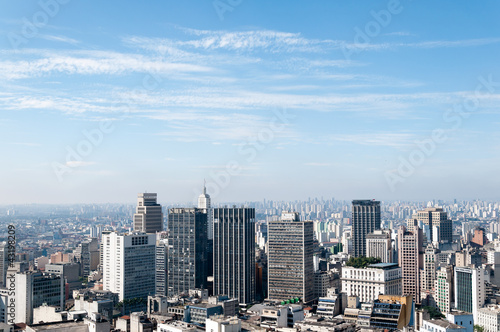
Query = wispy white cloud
x=92 y=63
x=61 y=39
x=395 y=140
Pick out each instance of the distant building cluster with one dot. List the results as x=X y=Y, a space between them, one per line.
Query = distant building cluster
x=319 y=265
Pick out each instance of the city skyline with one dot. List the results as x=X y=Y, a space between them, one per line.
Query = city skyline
x=96 y=108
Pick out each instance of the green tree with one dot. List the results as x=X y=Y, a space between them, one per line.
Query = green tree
x=362 y=261
x=478 y=328
x=433 y=312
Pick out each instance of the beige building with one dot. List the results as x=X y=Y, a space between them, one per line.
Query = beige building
x=410 y=259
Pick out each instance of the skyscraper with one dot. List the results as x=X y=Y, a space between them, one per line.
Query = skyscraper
x=148 y=217
x=290 y=258
x=444 y=288
x=428 y=275
x=161 y=268
x=234 y=253
x=379 y=244
x=436 y=219
x=204 y=204
x=187 y=259
x=365 y=219
x=129 y=264
x=410 y=259
x=469 y=289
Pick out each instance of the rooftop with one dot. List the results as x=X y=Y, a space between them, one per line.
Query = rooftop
x=444 y=323
x=384 y=266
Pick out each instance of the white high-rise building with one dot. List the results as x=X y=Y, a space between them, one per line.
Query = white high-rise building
x=379 y=244
x=33 y=289
x=129 y=264
x=204 y=204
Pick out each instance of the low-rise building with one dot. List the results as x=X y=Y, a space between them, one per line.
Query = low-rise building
x=440 y=325
x=489 y=318
x=368 y=283
x=323 y=324
x=219 y=323
x=176 y=326
x=391 y=312
x=462 y=318
x=332 y=305
x=230 y=307
x=273 y=317
x=198 y=313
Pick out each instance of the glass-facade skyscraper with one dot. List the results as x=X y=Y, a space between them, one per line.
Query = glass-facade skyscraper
x=234 y=253
x=187 y=257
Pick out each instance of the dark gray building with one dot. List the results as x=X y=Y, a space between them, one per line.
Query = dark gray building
x=187 y=258
x=149 y=216
x=365 y=219
x=290 y=258
x=234 y=253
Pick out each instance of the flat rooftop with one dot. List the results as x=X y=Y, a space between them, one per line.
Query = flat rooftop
x=384 y=266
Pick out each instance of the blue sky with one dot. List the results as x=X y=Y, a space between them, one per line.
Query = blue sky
x=279 y=100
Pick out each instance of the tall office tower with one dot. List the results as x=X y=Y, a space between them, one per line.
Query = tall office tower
x=204 y=204
x=444 y=288
x=290 y=258
x=32 y=290
x=4 y=263
x=87 y=253
x=410 y=259
x=148 y=217
x=234 y=253
x=436 y=217
x=469 y=289
x=430 y=266
x=379 y=244
x=428 y=274
x=161 y=266
x=129 y=264
x=187 y=258
x=365 y=219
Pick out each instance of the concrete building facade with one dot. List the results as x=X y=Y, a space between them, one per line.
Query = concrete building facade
x=290 y=258
x=129 y=264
